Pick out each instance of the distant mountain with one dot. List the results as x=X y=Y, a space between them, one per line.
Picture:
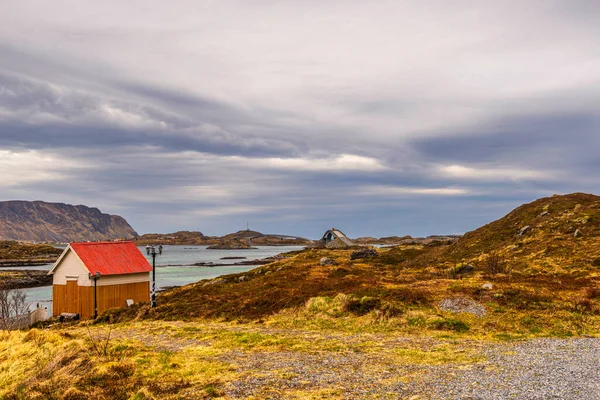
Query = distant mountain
x=57 y=222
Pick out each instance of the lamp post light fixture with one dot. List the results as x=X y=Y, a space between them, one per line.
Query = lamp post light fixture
x=95 y=277
x=153 y=298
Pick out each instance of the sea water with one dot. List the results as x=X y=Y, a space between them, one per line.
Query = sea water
x=175 y=267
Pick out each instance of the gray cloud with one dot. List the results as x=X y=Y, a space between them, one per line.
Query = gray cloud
x=381 y=118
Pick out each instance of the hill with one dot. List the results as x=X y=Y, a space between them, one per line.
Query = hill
x=535 y=274
x=39 y=221
x=558 y=233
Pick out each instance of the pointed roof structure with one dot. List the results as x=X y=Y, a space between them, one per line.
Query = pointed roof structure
x=108 y=258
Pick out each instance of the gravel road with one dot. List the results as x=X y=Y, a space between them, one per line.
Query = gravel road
x=534 y=369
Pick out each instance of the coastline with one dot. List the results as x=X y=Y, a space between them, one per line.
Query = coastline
x=24 y=279
x=24 y=262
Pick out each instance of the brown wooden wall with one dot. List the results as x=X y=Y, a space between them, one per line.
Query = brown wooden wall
x=108 y=297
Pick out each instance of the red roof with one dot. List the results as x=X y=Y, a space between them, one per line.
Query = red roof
x=111 y=258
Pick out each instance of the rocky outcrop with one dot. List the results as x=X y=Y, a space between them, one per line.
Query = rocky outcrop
x=363 y=253
x=327 y=261
x=39 y=221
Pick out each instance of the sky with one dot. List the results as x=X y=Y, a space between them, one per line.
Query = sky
x=378 y=118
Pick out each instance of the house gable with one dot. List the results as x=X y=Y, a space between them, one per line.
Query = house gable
x=70 y=267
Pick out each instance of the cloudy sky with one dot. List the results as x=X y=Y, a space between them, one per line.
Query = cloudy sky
x=376 y=117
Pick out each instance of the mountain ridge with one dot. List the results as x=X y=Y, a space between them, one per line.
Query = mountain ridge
x=40 y=221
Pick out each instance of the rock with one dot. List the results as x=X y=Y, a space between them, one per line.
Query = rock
x=577 y=233
x=464 y=269
x=543 y=213
x=462 y=305
x=524 y=230
x=241 y=278
x=487 y=286
x=364 y=253
x=327 y=261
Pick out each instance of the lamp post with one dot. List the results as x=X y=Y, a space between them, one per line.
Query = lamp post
x=153 y=298
x=95 y=277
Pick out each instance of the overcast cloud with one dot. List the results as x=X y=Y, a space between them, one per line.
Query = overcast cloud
x=379 y=118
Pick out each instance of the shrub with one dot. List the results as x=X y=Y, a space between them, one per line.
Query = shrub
x=449 y=324
x=494 y=264
x=363 y=306
x=459 y=271
x=329 y=306
x=418 y=320
x=74 y=394
x=583 y=305
x=388 y=310
x=410 y=296
x=592 y=293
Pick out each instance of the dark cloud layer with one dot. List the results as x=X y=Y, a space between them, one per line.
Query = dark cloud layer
x=381 y=126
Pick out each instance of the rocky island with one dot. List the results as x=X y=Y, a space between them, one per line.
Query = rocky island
x=243 y=239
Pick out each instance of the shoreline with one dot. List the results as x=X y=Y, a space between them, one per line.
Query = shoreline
x=24 y=279
x=26 y=262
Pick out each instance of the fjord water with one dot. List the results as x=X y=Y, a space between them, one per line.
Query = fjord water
x=174 y=267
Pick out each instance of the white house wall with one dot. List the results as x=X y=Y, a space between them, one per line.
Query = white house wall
x=71 y=266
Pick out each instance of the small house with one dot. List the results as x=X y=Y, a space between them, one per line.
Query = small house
x=109 y=272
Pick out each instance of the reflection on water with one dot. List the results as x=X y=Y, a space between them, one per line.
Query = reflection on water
x=173 y=267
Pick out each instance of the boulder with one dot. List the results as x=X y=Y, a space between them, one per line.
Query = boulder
x=577 y=233
x=487 y=286
x=464 y=269
x=524 y=230
x=327 y=261
x=364 y=253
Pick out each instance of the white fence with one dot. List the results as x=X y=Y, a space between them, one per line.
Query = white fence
x=25 y=320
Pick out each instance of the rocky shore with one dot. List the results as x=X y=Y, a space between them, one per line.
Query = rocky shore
x=26 y=262
x=20 y=279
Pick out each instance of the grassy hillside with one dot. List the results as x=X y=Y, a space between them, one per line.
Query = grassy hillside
x=308 y=328
x=529 y=277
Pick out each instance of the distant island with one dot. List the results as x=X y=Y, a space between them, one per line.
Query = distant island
x=13 y=254
x=243 y=239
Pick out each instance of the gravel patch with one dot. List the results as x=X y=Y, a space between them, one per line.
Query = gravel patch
x=462 y=305
x=535 y=369
x=355 y=375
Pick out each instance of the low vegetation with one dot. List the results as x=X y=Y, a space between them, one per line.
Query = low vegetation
x=16 y=253
x=412 y=306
